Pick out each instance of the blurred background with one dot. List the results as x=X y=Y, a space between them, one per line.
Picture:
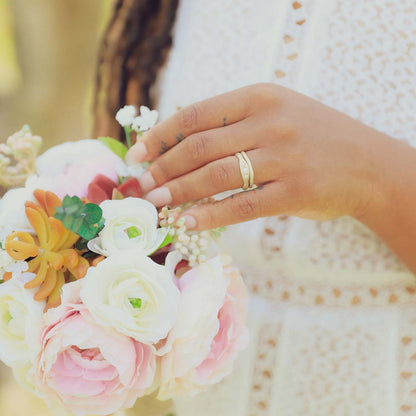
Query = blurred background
x=48 y=54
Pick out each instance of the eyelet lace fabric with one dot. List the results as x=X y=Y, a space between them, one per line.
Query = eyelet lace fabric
x=333 y=314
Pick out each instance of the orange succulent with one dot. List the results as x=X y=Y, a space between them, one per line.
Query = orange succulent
x=51 y=252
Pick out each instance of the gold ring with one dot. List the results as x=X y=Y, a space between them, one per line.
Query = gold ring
x=246 y=170
x=250 y=168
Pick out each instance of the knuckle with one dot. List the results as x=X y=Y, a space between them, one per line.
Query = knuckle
x=160 y=172
x=198 y=148
x=294 y=191
x=178 y=192
x=189 y=117
x=210 y=217
x=153 y=140
x=267 y=91
x=220 y=176
x=284 y=129
x=248 y=205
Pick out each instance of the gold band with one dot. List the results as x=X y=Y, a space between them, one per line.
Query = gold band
x=251 y=171
x=246 y=170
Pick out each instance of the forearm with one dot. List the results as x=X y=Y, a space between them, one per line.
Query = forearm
x=391 y=212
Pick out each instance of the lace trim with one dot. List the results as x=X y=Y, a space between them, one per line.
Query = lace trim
x=263 y=374
x=407 y=364
x=292 y=42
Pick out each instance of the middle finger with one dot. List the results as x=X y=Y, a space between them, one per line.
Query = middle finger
x=196 y=151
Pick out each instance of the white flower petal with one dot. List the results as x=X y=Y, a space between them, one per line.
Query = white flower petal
x=20 y=322
x=126 y=115
x=122 y=215
x=107 y=288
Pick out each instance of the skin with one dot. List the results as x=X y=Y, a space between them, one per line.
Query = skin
x=309 y=161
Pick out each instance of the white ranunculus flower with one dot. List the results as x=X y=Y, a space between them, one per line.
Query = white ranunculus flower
x=12 y=206
x=125 y=115
x=20 y=322
x=132 y=294
x=146 y=120
x=130 y=224
x=12 y=212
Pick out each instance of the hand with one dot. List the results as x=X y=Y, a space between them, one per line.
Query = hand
x=308 y=159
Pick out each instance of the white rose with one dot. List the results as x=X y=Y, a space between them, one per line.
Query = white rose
x=130 y=224
x=132 y=294
x=20 y=322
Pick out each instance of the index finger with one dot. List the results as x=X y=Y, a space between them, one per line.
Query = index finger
x=214 y=112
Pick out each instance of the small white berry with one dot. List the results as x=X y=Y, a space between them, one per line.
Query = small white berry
x=202 y=258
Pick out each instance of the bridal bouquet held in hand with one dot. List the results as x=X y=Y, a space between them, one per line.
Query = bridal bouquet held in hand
x=103 y=299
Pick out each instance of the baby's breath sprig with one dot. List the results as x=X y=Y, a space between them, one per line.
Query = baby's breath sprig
x=193 y=245
x=129 y=119
x=18 y=157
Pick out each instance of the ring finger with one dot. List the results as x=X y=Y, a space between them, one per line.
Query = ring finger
x=215 y=177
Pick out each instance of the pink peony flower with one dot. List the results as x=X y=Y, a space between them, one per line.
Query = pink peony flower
x=209 y=332
x=74 y=165
x=232 y=336
x=87 y=368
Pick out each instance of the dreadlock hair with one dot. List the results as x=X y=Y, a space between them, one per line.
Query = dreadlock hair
x=133 y=49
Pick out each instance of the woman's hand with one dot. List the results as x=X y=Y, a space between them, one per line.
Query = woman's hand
x=308 y=159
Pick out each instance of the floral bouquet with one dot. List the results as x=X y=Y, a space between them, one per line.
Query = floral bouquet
x=103 y=299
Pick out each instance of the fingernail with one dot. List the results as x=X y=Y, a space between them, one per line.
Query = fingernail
x=190 y=222
x=136 y=154
x=147 y=182
x=159 y=196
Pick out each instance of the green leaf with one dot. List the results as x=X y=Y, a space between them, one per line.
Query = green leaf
x=168 y=239
x=115 y=146
x=135 y=302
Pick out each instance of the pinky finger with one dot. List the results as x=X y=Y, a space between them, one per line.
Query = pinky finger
x=240 y=207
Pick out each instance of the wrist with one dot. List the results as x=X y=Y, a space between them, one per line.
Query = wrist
x=391 y=192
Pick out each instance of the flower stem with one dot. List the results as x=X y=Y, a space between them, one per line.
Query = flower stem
x=127 y=130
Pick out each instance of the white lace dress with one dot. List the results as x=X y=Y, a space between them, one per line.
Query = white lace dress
x=333 y=314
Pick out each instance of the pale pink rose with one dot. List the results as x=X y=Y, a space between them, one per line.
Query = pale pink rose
x=209 y=332
x=88 y=368
x=232 y=336
x=74 y=165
